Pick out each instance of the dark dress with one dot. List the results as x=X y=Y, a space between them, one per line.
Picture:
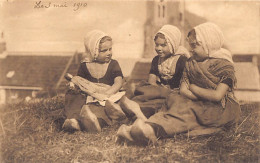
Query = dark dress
x=113 y=71
x=199 y=117
x=150 y=97
x=74 y=100
x=174 y=82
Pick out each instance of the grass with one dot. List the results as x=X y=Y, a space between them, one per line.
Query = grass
x=31 y=132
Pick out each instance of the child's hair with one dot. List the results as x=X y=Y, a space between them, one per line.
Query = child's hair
x=160 y=35
x=104 y=39
x=192 y=35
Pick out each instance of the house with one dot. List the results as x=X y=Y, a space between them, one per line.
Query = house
x=23 y=76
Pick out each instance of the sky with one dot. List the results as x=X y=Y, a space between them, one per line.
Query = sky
x=62 y=29
x=239 y=21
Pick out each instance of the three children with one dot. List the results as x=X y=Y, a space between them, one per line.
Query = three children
x=203 y=105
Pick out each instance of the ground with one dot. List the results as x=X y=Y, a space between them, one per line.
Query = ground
x=31 y=132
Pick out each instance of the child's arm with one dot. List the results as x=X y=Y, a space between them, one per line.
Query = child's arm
x=118 y=83
x=210 y=94
x=186 y=92
x=152 y=79
x=153 y=71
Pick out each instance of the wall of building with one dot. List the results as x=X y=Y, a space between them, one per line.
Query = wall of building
x=14 y=95
x=2 y=96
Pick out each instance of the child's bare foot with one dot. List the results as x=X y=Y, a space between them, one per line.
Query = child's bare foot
x=143 y=132
x=132 y=107
x=70 y=125
x=124 y=132
x=89 y=120
x=114 y=111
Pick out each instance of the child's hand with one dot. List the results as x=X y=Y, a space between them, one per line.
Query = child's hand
x=193 y=87
x=71 y=86
x=186 y=90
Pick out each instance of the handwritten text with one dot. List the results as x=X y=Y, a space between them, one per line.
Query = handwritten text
x=75 y=5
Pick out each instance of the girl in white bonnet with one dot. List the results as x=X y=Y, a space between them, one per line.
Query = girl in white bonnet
x=103 y=79
x=164 y=76
x=206 y=101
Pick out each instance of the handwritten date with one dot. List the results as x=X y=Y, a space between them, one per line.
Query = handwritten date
x=76 y=6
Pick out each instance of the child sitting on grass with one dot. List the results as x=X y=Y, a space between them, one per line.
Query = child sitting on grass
x=165 y=73
x=100 y=77
x=206 y=101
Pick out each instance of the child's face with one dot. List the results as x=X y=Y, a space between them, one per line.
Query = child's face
x=197 y=50
x=162 y=48
x=105 y=52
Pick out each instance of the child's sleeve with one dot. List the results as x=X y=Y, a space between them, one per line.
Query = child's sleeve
x=81 y=71
x=227 y=74
x=116 y=71
x=184 y=78
x=154 y=66
x=228 y=81
x=179 y=70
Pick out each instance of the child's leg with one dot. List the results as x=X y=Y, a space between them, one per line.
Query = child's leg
x=89 y=120
x=143 y=132
x=73 y=103
x=149 y=107
x=129 y=87
x=114 y=111
x=130 y=106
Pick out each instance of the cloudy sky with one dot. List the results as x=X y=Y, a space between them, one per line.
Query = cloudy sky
x=239 y=20
x=30 y=29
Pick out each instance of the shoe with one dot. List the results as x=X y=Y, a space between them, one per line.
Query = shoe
x=114 y=111
x=130 y=106
x=70 y=125
x=89 y=120
x=124 y=132
x=143 y=132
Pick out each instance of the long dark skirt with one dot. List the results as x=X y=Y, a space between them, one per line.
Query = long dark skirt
x=74 y=102
x=150 y=98
x=182 y=115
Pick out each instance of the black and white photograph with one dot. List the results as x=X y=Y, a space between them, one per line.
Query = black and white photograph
x=113 y=81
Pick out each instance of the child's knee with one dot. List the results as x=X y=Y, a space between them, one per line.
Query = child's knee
x=84 y=110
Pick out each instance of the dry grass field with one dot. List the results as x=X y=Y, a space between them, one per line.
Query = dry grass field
x=31 y=132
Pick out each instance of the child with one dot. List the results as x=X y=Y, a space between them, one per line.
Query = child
x=167 y=67
x=102 y=77
x=165 y=73
x=205 y=103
